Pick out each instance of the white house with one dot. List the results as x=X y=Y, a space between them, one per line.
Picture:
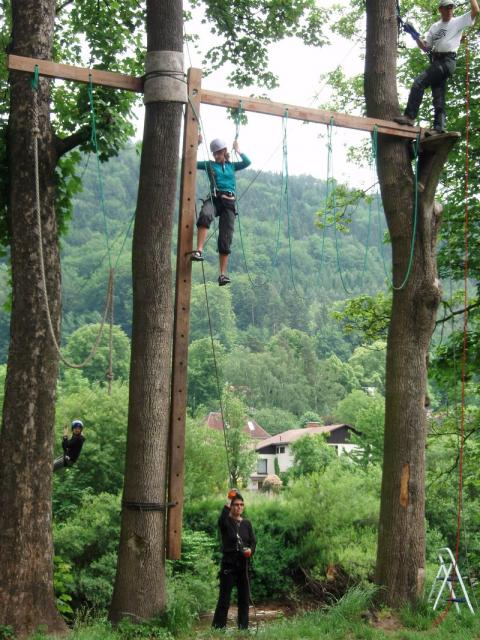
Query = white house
x=279 y=447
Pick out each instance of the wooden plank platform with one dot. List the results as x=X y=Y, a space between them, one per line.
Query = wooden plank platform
x=308 y=114
x=215 y=98
x=78 y=74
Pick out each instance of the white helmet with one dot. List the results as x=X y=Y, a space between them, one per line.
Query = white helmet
x=217 y=145
x=446 y=3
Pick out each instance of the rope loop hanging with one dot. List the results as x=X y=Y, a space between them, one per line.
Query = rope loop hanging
x=408 y=270
x=43 y=279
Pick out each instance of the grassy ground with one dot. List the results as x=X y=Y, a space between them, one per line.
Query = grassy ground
x=348 y=619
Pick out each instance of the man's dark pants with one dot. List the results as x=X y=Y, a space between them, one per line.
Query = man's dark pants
x=436 y=76
x=229 y=578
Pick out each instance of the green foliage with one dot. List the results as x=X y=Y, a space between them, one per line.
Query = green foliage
x=6 y=632
x=368 y=316
x=241 y=456
x=63 y=584
x=275 y=420
x=310 y=416
x=81 y=343
x=87 y=542
x=100 y=466
x=221 y=314
x=245 y=31
x=202 y=379
x=311 y=454
x=150 y=630
x=205 y=461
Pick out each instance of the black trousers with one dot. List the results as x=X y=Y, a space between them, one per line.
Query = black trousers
x=435 y=76
x=229 y=578
x=225 y=210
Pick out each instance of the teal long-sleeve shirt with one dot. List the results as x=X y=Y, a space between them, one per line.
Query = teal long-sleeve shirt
x=223 y=178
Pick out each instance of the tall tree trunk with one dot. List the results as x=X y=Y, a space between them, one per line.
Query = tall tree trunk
x=401 y=537
x=26 y=440
x=139 y=590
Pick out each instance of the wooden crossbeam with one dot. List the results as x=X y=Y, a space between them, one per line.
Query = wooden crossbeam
x=216 y=98
x=78 y=74
x=308 y=114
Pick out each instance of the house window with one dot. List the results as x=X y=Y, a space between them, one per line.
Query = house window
x=280 y=449
x=262 y=465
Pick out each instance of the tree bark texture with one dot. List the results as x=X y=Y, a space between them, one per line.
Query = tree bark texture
x=26 y=440
x=139 y=591
x=400 y=567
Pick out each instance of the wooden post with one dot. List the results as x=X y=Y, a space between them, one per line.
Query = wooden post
x=186 y=226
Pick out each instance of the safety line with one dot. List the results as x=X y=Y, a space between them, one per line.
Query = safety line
x=466 y=266
x=217 y=377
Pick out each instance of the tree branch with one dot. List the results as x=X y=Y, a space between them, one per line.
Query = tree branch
x=62 y=6
x=470 y=307
x=64 y=145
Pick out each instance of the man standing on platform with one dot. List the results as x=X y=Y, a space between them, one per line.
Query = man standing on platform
x=441 y=43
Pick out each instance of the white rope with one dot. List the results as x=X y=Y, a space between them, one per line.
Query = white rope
x=43 y=280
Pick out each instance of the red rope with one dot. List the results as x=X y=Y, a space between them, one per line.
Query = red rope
x=442 y=616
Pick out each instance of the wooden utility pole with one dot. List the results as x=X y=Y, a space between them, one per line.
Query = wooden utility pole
x=178 y=405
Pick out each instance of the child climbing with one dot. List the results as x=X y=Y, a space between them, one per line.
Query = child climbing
x=220 y=203
x=71 y=447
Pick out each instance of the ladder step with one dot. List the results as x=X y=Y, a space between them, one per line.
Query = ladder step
x=456 y=600
x=449 y=579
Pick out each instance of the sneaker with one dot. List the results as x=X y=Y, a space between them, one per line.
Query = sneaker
x=405 y=120
x=223 y=280
x=197 y=256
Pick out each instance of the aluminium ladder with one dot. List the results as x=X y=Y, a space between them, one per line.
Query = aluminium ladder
x=447 y=575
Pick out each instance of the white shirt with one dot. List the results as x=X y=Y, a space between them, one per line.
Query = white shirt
x=444 y=37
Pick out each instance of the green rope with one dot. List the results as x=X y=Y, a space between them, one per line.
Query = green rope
x=415 y=216
x=334 y=203
x=223 y=412
x=94 y=141
x=285 y=178
x=35 y=79
x=258 y=282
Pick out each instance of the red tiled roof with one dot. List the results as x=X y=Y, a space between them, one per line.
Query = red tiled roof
x=251 y=428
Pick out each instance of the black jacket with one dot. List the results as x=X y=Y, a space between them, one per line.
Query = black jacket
x=73 y=446
x=235 y=535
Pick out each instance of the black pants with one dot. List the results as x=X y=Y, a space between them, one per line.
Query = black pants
x=229 y=578
x=435 y=76
x=224 y=209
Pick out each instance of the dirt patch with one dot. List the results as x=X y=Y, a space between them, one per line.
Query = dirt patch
x=386 y=622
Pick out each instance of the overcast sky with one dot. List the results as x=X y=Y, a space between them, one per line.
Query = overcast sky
x=299 y=69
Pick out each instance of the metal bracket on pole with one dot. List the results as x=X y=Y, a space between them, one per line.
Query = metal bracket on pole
x=164 y=77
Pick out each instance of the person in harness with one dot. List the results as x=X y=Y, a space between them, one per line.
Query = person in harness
x=238 y=546
x=71 y=446
x=441 y=43
x=220 y=203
